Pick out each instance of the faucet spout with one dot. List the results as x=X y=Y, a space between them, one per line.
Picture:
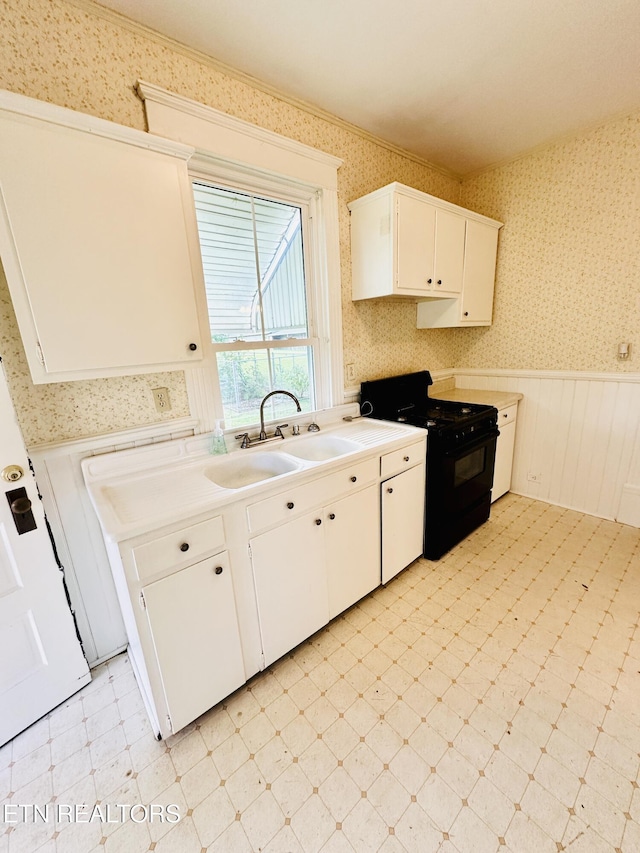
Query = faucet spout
x=263 y=434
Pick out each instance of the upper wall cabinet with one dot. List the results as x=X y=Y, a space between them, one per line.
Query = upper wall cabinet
x=405 y=243
x=98 y=242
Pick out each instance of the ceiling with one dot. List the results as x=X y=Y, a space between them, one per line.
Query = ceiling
x=463 y=84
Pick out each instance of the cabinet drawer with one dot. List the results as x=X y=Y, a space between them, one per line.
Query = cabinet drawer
x=299 y=499
x=508 y=415
x=400 y=460
x=184 y=546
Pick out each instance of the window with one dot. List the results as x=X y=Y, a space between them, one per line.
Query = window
x=249 y=161
x=259 y=301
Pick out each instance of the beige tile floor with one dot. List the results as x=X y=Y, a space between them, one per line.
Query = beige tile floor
x=486 y=702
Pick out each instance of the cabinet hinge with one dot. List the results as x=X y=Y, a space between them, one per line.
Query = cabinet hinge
x=249 y=552
x=141 y=601
x=169 y=723
x=40 y=354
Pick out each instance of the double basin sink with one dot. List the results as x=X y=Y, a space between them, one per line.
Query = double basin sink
x=244 y=468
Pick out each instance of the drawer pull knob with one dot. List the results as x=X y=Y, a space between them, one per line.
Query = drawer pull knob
x=218 y=570
x=290 y=505
x=390 y=490
x=332 y=515
x=318 y=521
x=184 y=546
x=406 y=458
x=193 y=347
x=353 y=479
x=505 y=415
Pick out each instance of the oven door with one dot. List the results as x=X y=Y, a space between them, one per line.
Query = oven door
x=466 y=473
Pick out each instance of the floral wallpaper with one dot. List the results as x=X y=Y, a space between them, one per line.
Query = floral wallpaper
x=71 y=54
x=568 y=277
x=567 y=288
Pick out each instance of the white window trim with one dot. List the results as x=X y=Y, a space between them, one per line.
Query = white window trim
x=229 y=148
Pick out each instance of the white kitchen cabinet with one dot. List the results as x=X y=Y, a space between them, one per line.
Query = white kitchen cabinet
x=353 y=554
x=99 y=244
x=402 y=502
x=475 y=305
x=289 y=568
x=504 y=451
x=216 y=587
x=310 y=569
x=405 y=243
x=194 y=627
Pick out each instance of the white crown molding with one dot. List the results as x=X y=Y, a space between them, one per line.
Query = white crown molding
x=90 y=7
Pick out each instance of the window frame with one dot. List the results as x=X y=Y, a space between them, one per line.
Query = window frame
x=233 y=152
x=319 y=338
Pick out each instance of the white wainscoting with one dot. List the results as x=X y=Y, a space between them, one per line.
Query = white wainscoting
x=577 y=438
x=76 y=530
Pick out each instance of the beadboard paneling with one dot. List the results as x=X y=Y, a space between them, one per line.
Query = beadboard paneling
x=577 y=434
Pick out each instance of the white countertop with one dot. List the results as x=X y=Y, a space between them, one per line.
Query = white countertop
x=499 y=399
x=143 y=489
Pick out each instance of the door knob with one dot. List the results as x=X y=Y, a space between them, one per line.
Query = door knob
x=21 y=509
x=20 y=506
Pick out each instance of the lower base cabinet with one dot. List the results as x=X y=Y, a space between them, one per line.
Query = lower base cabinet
x=353 y=549
x=310 y=570
x=194 y=628
x=504 y=451
x=291 y=584
x=402 y=502
x=300 y=555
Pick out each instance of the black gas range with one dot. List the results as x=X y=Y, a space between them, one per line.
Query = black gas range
x=461 y=448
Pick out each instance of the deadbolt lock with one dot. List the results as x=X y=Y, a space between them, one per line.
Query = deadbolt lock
x=12 y=473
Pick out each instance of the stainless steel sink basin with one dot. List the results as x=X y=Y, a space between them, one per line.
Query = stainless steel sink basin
x=317 y=448
x=241 y=470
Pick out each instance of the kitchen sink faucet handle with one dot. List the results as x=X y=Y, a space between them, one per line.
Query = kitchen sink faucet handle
x=244 y=438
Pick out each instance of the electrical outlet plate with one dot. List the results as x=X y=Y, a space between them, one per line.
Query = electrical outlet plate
x=534 y=477
x=161 y=399
x=351 y=372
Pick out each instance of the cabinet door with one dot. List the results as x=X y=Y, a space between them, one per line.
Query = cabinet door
x=353 y=549
x=481 y=245
x=193 y=623
x=449 y=253
x=289 y=570
x=504 y=460
x=415 y=235
x=97 y=240
x=402 y=520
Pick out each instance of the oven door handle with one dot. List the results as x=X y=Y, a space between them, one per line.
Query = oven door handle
x=463 y=449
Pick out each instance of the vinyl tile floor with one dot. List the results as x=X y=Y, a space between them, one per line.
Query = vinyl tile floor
x=486 y=702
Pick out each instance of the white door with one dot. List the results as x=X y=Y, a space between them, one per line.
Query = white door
x=415 y=244
x=42 y=662
x=291 y=584
x=192 y=616
x=402 y=521
x=353 y=554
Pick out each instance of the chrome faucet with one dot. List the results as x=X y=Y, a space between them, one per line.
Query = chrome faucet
x=263 y=434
